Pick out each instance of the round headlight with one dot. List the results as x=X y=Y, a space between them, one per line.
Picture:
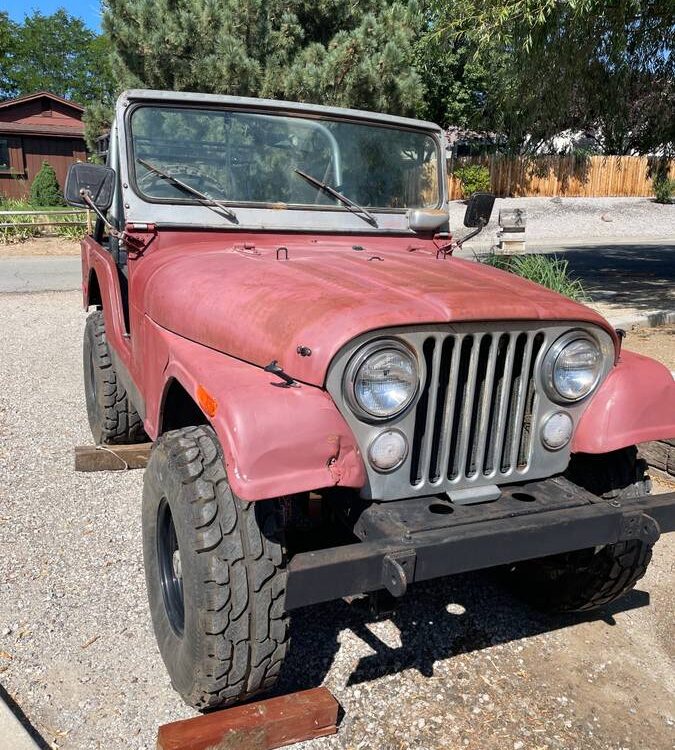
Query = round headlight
x=383 y=382
x=573 y=368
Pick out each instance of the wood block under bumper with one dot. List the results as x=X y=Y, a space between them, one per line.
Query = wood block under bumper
x=112 y=457
x=263 y=725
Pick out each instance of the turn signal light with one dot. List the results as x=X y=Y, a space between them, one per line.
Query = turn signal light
x=208 y=404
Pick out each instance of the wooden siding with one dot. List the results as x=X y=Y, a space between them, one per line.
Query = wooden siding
x=26 y=156
x=565 y=176
x=44 y=112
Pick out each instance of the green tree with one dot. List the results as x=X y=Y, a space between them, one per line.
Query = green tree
x=353 y=54
x=455 y=78
x=581 y=64
x=7 y=43
x=57 y=53
x=45 y=190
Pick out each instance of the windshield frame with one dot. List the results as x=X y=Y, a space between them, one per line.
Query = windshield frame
x=258 y=215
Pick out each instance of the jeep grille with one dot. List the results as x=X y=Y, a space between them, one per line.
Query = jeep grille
x=481 y=402
x=477 y=406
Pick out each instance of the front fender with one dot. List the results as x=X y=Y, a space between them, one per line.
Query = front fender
x=636 y=403
x=276 y=441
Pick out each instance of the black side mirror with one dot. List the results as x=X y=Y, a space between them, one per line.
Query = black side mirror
x=479 y=210
x=95 y=180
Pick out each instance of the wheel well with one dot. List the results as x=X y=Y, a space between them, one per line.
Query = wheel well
x=94 y=291
x=179 y=409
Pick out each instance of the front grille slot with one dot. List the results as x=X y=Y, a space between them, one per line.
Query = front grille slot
x=475 y=413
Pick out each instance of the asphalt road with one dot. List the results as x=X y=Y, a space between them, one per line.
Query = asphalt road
x=40 y=273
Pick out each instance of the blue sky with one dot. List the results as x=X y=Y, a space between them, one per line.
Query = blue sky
x=88 y=10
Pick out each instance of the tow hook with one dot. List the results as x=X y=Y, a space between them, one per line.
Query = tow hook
x=398 y=570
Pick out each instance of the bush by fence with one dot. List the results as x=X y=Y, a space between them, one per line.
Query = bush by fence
x=565 y=176
x=18 y=224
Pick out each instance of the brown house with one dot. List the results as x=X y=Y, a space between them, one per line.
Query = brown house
x=36 y=128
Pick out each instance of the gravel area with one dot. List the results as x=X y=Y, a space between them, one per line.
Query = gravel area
x=459 y=665
x=561 y=220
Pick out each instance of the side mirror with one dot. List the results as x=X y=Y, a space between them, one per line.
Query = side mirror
x=98 y=181
x=427 y=219
x=479 y=210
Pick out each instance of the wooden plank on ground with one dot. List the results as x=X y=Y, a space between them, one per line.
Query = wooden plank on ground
x=263 y=725
x=660 y=454
x=111 y=457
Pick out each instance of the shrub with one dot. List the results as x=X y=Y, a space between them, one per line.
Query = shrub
x=551 y=272
x=45 y=190
x=664 y=188
x=474 y=178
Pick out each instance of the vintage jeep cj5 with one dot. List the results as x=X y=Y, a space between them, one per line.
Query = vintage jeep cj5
x=337 y=404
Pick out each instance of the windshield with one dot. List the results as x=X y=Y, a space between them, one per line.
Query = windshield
x=251 y=158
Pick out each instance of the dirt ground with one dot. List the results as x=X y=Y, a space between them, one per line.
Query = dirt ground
x=460 y=664
x=41 y=246
x=658 y=343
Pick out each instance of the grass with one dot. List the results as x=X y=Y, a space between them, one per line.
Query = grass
x=551 y=272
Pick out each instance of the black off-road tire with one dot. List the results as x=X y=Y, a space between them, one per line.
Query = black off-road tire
x=113 y=419
x=590 y=578
x=221 y=625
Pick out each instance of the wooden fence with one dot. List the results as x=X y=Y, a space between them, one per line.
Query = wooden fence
x=50 y=218
x=567 y=176
x=18 y=226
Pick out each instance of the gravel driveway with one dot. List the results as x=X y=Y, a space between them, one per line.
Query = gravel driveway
x=566 y=220
x=460 y=665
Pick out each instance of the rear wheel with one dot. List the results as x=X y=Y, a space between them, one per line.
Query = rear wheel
x=590 y=578
x=215 y=572
x=113 y=419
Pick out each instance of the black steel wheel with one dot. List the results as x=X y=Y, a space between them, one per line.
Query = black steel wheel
x=170 y=570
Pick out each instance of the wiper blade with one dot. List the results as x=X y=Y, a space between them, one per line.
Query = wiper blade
x=329 y=190
x=202 y=197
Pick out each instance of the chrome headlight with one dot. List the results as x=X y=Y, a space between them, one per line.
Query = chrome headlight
x=572 y=367
x=382 y=380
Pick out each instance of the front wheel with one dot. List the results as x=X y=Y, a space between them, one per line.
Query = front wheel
x=589 y=578
x=215 y=573
x=113 y=419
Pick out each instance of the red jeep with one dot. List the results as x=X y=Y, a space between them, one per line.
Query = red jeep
x=337 y=404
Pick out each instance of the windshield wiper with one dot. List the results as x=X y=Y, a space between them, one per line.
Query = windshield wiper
x=202 y=197
x=328 y=190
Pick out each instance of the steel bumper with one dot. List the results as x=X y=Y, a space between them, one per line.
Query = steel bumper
x=424 y=538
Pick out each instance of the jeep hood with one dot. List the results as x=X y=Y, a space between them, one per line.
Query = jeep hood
x=246 y=302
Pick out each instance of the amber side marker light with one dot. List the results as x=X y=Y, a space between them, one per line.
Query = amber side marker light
x=206 y=401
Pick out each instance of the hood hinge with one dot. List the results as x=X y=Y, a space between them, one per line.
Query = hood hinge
x=137 y=245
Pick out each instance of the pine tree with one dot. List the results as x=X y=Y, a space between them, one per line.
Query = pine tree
x=45 y=190
x=328 y=52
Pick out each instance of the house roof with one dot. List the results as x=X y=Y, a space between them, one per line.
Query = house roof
x=16 y=128
x=40 y=95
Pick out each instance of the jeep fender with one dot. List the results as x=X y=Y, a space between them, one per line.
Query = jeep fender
x=636 y=403
x=99 y=263
x=275 y=440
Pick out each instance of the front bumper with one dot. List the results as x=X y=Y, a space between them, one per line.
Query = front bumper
x=423 y=538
